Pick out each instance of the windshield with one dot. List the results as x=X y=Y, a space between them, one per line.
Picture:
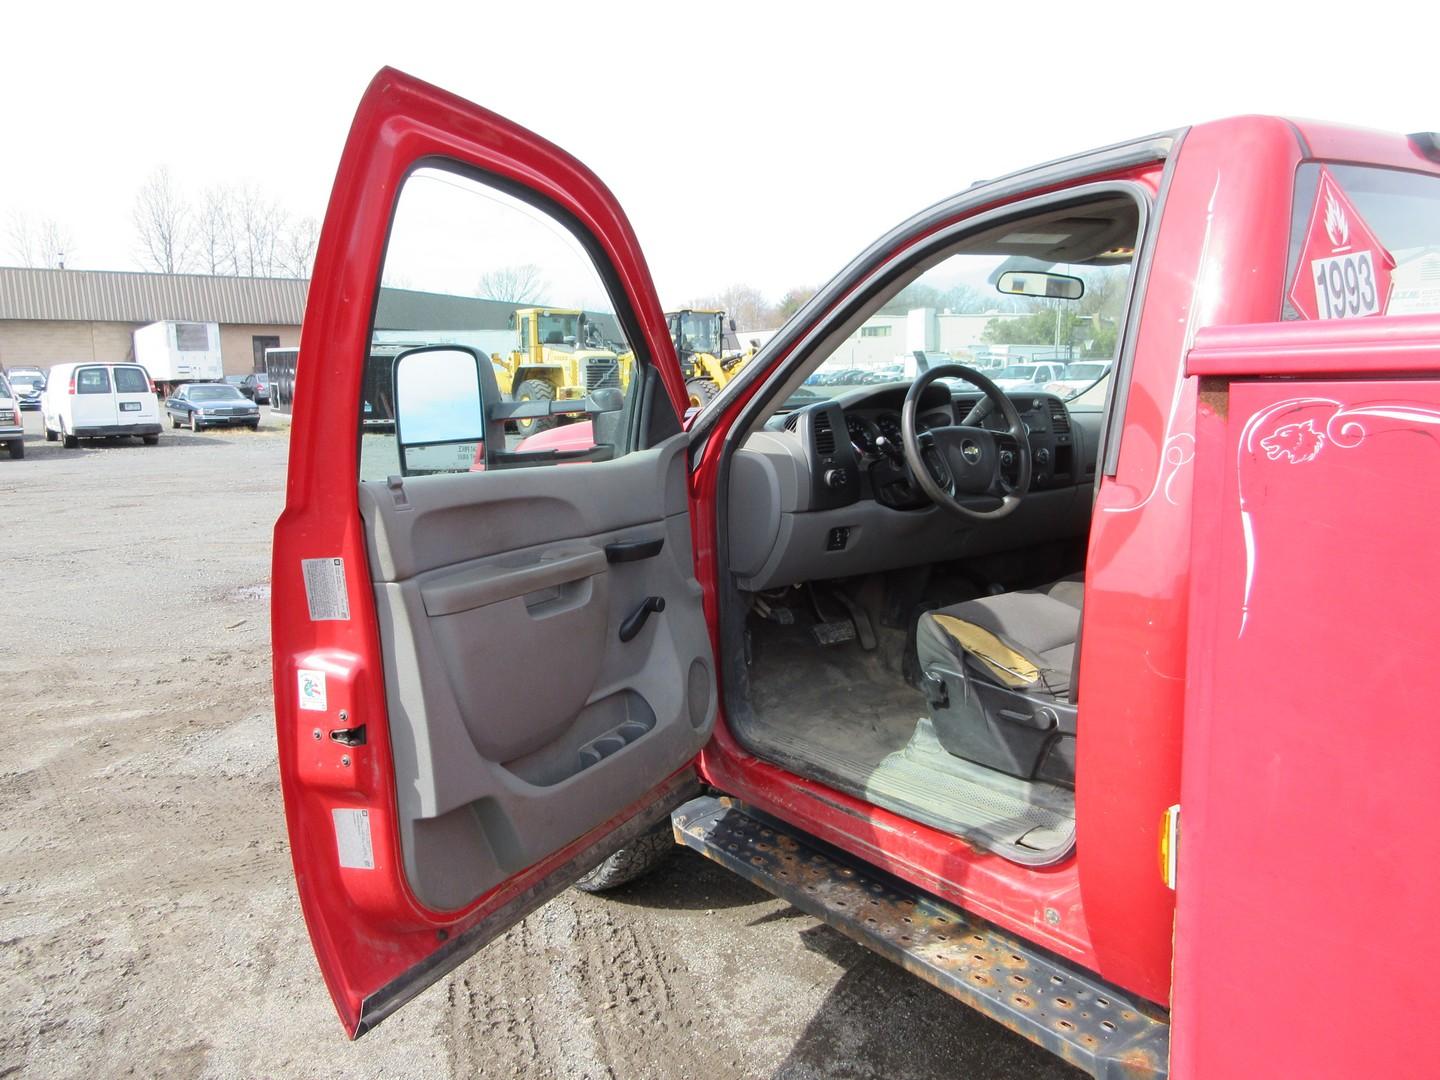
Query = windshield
x=26 y=380
x=559 y=329
x=5 y=388
x=952 y=315
x=216 y=393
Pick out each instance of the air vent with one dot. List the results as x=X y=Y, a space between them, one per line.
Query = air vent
x=824 y=434
x=791 y=421
x=1059 y=417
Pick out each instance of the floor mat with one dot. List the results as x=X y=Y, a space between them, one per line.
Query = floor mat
x=842 y=716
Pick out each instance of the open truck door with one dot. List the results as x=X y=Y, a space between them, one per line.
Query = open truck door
x=1305 y=877
x=486 y=680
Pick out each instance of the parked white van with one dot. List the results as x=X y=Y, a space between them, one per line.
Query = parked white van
x=94 y=401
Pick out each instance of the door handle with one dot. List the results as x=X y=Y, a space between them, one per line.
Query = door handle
x=635 y=621
x=633 y=550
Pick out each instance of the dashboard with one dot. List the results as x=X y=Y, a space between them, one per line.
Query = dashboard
x=824 y=491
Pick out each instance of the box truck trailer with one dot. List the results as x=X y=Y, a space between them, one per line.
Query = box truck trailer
x=179 y=352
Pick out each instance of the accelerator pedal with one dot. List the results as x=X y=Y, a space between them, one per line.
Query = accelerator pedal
x=1090 y=1024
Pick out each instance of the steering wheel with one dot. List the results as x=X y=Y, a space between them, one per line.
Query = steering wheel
x=964 y=459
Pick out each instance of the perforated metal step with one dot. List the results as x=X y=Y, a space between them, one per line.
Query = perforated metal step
x=1089 y=1024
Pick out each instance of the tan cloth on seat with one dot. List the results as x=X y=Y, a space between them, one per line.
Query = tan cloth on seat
x=1011 y=668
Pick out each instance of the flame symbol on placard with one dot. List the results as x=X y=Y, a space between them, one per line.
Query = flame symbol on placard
x=1335 y=223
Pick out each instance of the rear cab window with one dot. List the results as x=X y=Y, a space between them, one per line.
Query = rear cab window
x=1368 y=245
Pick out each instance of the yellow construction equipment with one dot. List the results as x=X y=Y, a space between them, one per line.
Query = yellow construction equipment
x=560 y=354
x=699 y=337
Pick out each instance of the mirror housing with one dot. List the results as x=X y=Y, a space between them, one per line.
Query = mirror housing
x=1040 y=283
x=443 y=415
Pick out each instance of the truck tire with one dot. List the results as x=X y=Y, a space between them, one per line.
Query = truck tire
x=70 y=442
x=50 y=436
x=150 y=440
x=17 y=448
x=632 y=861
x=535 y=390
x=701 y=392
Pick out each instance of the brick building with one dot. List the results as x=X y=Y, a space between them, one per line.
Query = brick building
x=53 y=316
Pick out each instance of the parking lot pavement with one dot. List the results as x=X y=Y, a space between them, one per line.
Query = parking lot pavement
x=148 y=923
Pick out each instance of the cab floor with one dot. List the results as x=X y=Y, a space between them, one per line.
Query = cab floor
x=845 y=716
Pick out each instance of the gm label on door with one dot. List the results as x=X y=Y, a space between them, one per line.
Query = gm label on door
x=352 y=839
x=325 y=589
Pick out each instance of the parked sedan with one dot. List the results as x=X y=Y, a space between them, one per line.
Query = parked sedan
x=202 y=405
x=27 y=384
x=256 y=387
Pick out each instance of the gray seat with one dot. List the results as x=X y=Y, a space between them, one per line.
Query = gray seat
x=999 y=675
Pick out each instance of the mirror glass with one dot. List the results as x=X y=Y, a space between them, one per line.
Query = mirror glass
x=1040 y=283
x=440 y=415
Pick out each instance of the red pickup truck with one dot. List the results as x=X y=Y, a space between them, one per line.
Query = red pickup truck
x=1098 y=714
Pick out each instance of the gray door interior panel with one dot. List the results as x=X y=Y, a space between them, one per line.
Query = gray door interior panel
x=519 y=720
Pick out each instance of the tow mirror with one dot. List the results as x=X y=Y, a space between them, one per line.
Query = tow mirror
x=1040 y=283
x=606 y=416
x=439 y=409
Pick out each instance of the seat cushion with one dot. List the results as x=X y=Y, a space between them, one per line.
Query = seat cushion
x=1041 y=626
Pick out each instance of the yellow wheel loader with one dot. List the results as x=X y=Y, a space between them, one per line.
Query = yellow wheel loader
x=699 y=338
x=560 y=354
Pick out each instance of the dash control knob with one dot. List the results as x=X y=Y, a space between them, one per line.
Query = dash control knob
x=1042 y=456
x=1007 y=458
x=835 y=479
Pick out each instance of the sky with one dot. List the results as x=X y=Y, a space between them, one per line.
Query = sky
x=755 y=143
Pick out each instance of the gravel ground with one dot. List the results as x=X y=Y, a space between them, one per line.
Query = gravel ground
x=148 y=921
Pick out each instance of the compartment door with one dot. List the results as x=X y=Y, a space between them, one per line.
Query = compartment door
x=1304 y=855
x=492 y=666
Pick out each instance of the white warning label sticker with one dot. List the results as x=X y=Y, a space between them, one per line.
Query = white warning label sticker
x=325 y=589
x=312 y=690
x=352 y=839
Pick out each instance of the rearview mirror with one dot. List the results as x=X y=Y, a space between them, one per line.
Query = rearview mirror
x=1040 y=283
x=439 y=410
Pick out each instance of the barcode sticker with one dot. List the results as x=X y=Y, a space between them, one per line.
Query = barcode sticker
x=325 y=589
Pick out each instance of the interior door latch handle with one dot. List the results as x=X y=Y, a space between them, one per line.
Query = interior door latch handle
x=635 y=621
x=633 y=550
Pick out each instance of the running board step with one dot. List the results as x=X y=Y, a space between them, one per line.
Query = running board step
x=1070 y=1013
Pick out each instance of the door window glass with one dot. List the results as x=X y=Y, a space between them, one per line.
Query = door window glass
x=92 y=380
x=129 y=380
x=511 y=285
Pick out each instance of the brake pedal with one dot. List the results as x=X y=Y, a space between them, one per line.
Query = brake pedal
x=861 y=621
x=834 y=633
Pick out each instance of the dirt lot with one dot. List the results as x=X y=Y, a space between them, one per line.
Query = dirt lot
x=148 y=923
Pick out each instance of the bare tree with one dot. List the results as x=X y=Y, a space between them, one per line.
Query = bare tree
x=512 y=284
x=42 y=243
x=794 y=299
x=297 y=250
x=259 y=224
x=162 y=224
x=743 y=303
x=214 y=232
